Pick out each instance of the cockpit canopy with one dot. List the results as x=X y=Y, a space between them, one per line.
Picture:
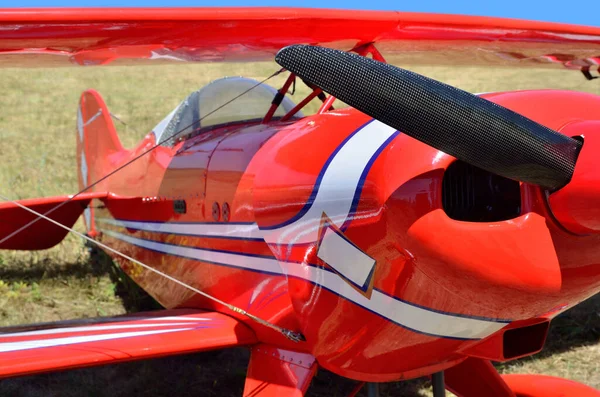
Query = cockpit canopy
x=208 y=107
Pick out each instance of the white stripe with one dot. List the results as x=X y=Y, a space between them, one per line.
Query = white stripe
x=172 y=318
x=337 y=187
x=334 y=197
x=88 y=328
x=190 y=229
x=244 y=261
x=34 y=344
x=345 y=258
x=80 y=124
x=84 y=168
x=87 y=214
x=416 y=318
x=413 y=317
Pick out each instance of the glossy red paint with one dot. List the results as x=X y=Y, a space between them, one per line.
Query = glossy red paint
x=527 y=261
x=41 y=234
x=278 y=372
x=476 y=377
x=267 y=173
x=74 y=344
x=576 y=206
x=95 y=36
x=547 y=386
x=250 y=212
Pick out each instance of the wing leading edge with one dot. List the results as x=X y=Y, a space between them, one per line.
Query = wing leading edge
x=54 y=37
x=88 y=342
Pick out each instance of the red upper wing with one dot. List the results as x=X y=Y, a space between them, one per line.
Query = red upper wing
x=104 y=36
x=31 y=349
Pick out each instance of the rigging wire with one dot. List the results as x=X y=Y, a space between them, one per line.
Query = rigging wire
x=294 y=336
x=51 y=210
x=114 y=116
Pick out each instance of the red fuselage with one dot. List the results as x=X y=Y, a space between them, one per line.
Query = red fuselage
x=336 y=226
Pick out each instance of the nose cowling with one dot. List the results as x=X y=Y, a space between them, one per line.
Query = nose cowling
x=577 y=205
x=513 y=255
x=324 y=201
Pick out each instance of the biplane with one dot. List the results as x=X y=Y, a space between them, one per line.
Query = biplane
x=422 y=231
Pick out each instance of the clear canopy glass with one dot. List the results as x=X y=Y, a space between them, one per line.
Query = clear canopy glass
x=208 y=107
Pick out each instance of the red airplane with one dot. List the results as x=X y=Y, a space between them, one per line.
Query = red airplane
x=423 y=231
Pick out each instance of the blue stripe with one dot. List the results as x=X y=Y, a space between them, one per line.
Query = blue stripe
x=199 y=249
x=213 y=236
x=315 y=190
x=204 y=260
x=181 y=223
x=490 y=319
x=361 y=182
x=385 y=318
x=505 y=321
x=308 y=281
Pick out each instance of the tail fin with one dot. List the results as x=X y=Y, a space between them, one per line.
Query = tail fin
x=97 y=143
x=41 y=234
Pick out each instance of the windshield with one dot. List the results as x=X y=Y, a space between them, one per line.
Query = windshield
x=196 y=111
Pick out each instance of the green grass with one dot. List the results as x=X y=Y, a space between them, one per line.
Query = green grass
x=37 y=148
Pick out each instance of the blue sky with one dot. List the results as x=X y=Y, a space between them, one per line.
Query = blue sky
x=585 y=13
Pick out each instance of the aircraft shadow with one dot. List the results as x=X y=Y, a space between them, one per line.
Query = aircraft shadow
x=134 y=298
x=97 y=264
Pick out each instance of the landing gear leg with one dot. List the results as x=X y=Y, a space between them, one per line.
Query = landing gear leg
x=439 y=386
x=275 y=372
x=372 y=389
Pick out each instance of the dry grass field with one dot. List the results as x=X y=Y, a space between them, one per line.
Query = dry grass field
x=37 y=158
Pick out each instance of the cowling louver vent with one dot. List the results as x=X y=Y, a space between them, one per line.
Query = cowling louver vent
x=474 y=195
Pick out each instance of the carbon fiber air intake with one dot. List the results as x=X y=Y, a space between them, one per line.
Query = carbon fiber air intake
x=454 y=121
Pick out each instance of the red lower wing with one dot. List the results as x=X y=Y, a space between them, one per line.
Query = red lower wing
x=88 y=342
